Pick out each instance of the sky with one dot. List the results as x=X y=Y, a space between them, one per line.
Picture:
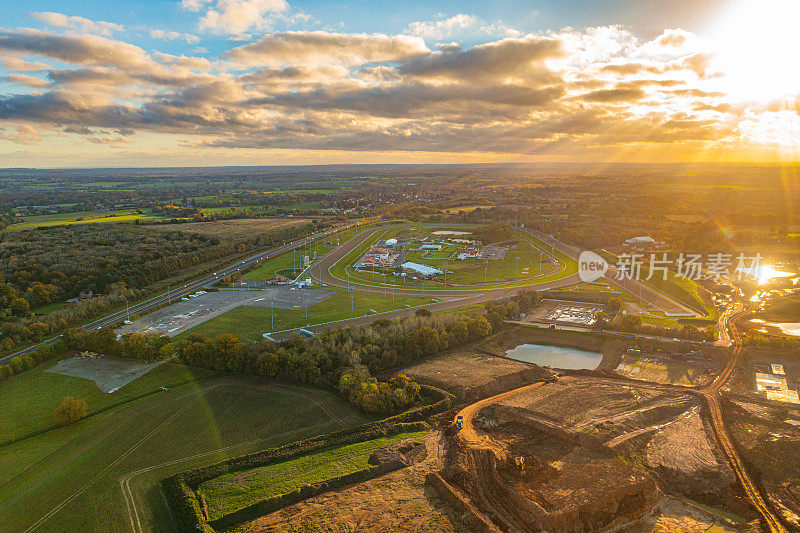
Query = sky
x=258 y=82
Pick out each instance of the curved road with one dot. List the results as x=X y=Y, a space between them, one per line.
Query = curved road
x=713 y=401
x=321 y=271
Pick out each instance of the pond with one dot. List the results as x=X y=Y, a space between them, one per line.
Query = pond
x=556 y=356
x=787 y=328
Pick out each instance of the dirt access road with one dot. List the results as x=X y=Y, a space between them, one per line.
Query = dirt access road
x=713 y=400
x=710 y=394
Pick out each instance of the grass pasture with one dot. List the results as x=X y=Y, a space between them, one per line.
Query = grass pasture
x=30 y=398
x=270 y=268
x=234 y=491
x=102 y=473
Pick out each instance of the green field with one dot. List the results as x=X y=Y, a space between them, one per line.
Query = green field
x=293 y=260
x=269 y=269
x=234 y=491
x=251 y=322
x=30 y=398
x=84 y=217
x=102 y=473
x=49 y=308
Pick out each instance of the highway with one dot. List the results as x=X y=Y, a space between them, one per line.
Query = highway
x=645 y=292
x=194 y=286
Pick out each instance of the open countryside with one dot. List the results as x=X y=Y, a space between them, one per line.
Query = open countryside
x=297 y=266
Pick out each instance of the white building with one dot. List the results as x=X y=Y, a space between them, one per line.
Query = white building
x=422 y=270
x=640 y=242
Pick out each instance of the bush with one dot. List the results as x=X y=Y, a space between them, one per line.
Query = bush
x=71 y=410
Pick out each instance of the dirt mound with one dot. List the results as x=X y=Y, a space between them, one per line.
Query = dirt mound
x=685 y=458
x=472 y=376
x=570 y=481
x=407 y=451
x=570 y=495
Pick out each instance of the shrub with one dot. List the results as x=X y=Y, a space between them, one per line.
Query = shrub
x=71 y=410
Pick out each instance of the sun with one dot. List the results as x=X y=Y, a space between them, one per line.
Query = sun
x=756 y=45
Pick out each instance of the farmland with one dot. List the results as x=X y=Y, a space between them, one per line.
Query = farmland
x=234 y=230
x=85 y=217
x=29 y=398
x=102 y=473
x=233 y=491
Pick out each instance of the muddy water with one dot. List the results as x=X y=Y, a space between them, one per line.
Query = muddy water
x=556 y=356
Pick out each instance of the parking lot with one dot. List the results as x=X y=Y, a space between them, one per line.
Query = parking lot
x=185 y=314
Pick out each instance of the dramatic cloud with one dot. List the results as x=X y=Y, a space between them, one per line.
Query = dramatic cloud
x=30 y=81
x=560 y=93
x=25 y=134
x=75 y=49
x=441 y=28
x=79 y=24
x=459 y=25
x=321 y=47
x=20 y=65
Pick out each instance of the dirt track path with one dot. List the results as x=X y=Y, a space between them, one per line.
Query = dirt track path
x=712 y=397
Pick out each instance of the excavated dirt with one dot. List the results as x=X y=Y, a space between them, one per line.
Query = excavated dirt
x=598 y=454
x=569 y=482
x=671 y=515
x=770 y=447
x=471 y=375
x=399 y=501
x=683 y=456
x=660 y=429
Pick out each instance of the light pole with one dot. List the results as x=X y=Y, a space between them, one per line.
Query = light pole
x=271 y=316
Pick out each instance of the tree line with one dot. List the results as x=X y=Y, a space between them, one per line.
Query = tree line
x=344 y=360
x=48 y=265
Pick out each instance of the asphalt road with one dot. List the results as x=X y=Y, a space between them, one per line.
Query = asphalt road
x=189 y=288
x=638 y=288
